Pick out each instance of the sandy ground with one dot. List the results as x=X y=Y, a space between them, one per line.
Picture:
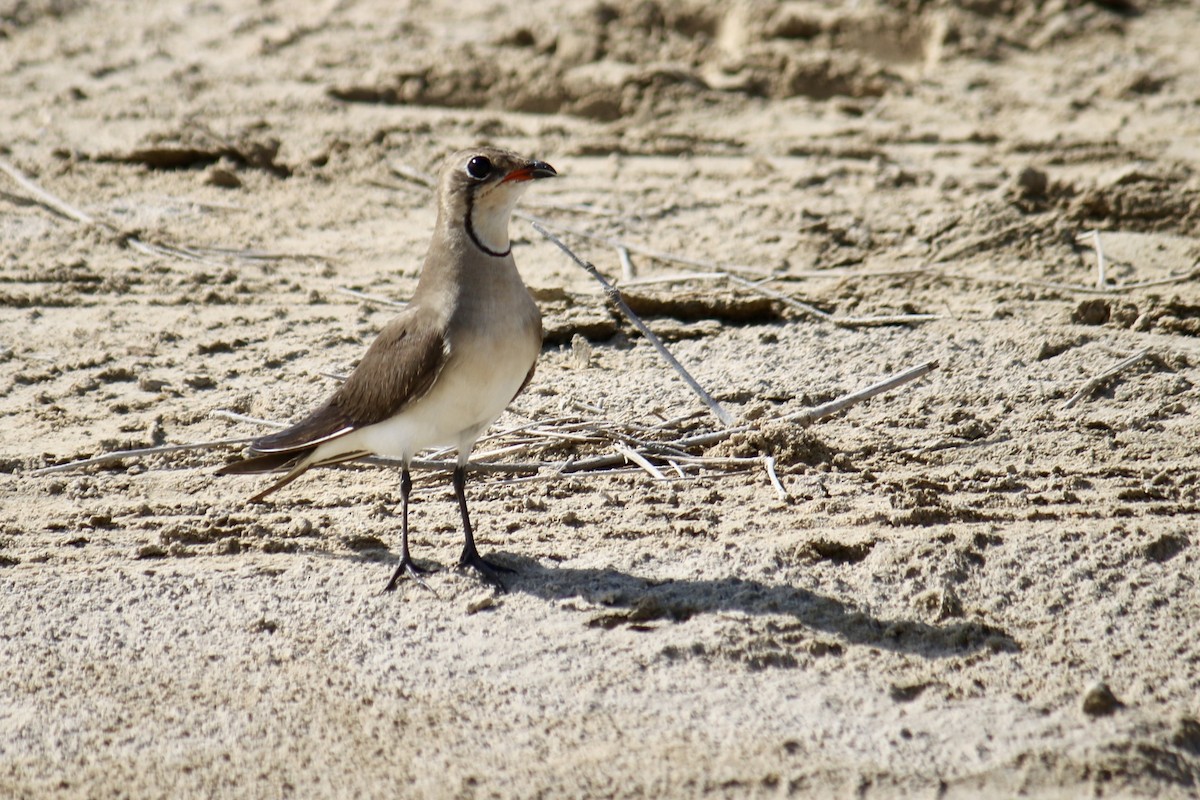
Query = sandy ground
x=958 y=566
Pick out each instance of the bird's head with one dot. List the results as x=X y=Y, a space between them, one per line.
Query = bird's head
x=478 y=189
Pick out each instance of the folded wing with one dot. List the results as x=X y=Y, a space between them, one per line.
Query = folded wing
x=398 y=369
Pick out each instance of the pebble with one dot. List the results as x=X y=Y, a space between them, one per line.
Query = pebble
x=1099 y=700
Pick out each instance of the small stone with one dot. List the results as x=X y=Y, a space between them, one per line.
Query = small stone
x=1032 y=183
x=941 y=604
x=151 y=551
x=222 y=178
x=200 y=382
x=1092 y=312
x=581 y=352
x=147 y=384
x=1099 y=701
x=482 y=604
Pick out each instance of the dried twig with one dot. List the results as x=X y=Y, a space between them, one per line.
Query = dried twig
x=660 y=255
x=369 y=298
x=628 y=272
x=769 y=465
x=413 y=174
x=249 y=254
x=1004 y=280
x=614 y=295
x=1101 y=276
x=846 y=322
x=55 y=204
x=233 y=416
x=840 y=404
x=1095 y=383
x=811 y=415
x=805 y=417
x=200 y=255
x=1191 y=274
x=680 y=278
x=118 y=455
x=637 y=458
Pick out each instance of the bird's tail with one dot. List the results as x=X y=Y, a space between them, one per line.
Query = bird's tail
x=271 y=462
x=268 y=462
x=296 y=462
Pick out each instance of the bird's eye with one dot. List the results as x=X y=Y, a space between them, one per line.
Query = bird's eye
x=479 y=168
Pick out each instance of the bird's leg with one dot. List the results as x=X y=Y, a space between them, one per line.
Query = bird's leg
x=470 y=556
x=407 y=566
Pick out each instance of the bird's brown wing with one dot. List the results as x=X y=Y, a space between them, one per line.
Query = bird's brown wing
x=399 y=368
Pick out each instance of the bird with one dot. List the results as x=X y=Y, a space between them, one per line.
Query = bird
x=444 y=370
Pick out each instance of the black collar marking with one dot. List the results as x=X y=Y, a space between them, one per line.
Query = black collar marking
x=471 y=230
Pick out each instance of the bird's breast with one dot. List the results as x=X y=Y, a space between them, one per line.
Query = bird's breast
x=491 y=353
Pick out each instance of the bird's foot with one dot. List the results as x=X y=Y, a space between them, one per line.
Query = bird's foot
x=409 y=567
x=488 y=570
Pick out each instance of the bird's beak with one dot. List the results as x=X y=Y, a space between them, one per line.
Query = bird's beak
x=531 y=171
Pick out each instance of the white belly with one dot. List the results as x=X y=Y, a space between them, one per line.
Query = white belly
x=472 y=390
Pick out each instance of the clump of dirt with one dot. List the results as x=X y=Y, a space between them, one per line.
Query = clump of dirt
x=786 y=441
x=1162 y=199
x=1177 y=316
x=840 y=552
x=193 y=146
x=698 y=305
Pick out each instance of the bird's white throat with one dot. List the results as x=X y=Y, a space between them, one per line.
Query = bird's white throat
x=490 y=214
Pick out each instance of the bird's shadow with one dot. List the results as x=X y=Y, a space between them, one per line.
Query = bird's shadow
x=637 y=602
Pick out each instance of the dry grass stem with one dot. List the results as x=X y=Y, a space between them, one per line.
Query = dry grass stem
x=685 y=277
x=44 y=198
x=200 y=255
x=1101 y=270
x=369 y=298
x=413 y=174
x=140 y=452
x=233 y=416
x=846 y=322
x=658 y=255
x=628 y=272
x=637 y=458
x=1180 y=277
x=811 y=415
x=614 y=295
x=1095 y=383
x=769 y=464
